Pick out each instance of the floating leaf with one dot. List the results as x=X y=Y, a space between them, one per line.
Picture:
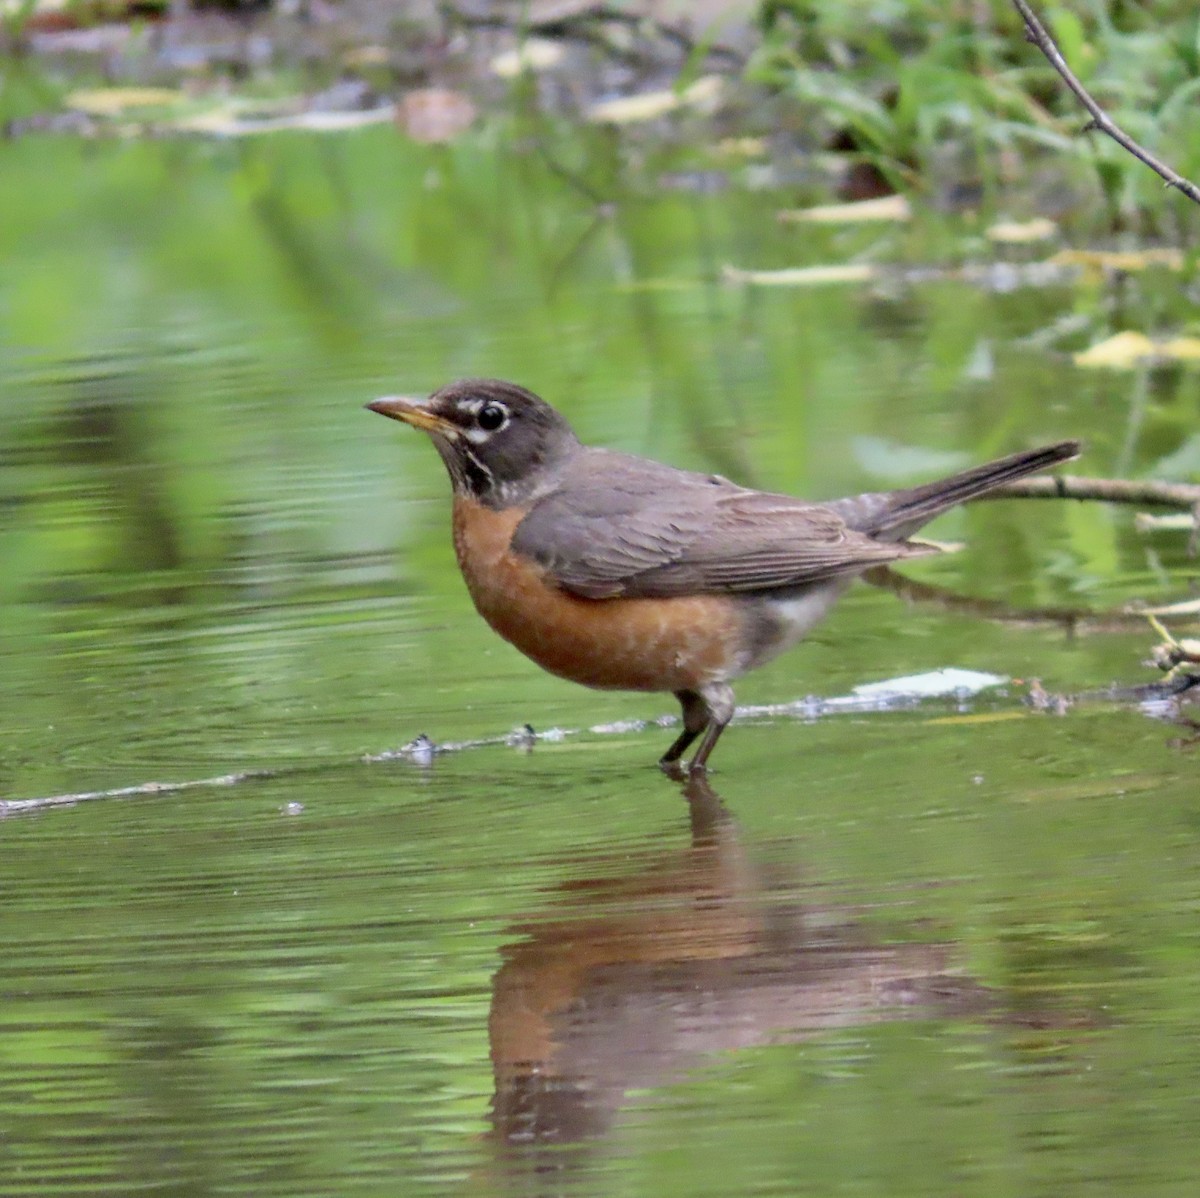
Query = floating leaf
x=369 y=55
x=1124 y=351
x=1131 y=260
x=1011 y=232
x=534 y=54
x=218 y=122
x=629 y=110
x=742 y=147
x=932 y=684
x=112 y=101
x=885 y=208
x=1181 y=349
x=705 y=94
x=803 y=276
x=435 y=114
x=226 y=122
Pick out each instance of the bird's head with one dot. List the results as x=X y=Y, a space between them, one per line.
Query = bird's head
x=496 y=438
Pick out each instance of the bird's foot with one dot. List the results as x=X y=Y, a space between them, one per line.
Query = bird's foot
x=683 y=771
x=675 y=769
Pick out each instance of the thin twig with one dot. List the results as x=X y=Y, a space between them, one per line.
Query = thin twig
x=1184 y=496
x=1037 y=33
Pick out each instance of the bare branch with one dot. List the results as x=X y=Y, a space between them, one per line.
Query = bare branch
x=1184 y=496
x=1100 y=120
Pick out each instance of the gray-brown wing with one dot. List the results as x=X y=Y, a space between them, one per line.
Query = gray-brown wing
x=655 y=531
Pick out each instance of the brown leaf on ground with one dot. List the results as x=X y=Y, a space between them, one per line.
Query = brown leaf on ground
x=435 y=114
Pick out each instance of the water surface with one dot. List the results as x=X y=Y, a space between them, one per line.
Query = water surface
x=941 y=950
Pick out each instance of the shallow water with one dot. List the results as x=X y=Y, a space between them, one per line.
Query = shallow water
x=941 y=950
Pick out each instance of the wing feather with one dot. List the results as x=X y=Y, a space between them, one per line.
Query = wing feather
x=632 y=527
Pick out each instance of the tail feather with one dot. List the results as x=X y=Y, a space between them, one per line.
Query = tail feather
x=893 y=515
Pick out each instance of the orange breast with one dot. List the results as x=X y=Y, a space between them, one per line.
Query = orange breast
x=622 y=644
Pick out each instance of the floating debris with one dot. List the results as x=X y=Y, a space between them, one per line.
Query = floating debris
x=884 y=208
x=116 y=101
x=619 y=727
x=742 y=147
x=1040 y=699
x=17 y=806
x=421 y=750
x=523 y=737
x=1129 y=349
x=533 y=54
x=433 y=115
x=803 y=276
x=949 y=683
x=931 y=685
x=704 y=95
x=1129 y=261
x=370 y=55
x=1011 y=232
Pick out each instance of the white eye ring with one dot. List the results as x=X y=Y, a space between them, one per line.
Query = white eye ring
x=491 y=416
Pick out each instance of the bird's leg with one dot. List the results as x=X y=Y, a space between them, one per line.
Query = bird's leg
x=695 y=719
x=718 y=698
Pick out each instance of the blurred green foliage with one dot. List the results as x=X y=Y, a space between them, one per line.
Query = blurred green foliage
x=939 y=96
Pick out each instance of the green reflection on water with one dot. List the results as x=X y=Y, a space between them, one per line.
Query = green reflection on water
x=212 y=559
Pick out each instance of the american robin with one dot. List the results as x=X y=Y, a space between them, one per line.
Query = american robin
x=622 y=573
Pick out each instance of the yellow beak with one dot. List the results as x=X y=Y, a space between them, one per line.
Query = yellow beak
x=415 y=412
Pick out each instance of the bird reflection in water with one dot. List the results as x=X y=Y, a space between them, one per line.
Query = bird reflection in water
x=630 y=981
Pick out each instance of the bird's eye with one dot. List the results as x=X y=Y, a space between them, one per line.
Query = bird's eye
x=491 y=416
